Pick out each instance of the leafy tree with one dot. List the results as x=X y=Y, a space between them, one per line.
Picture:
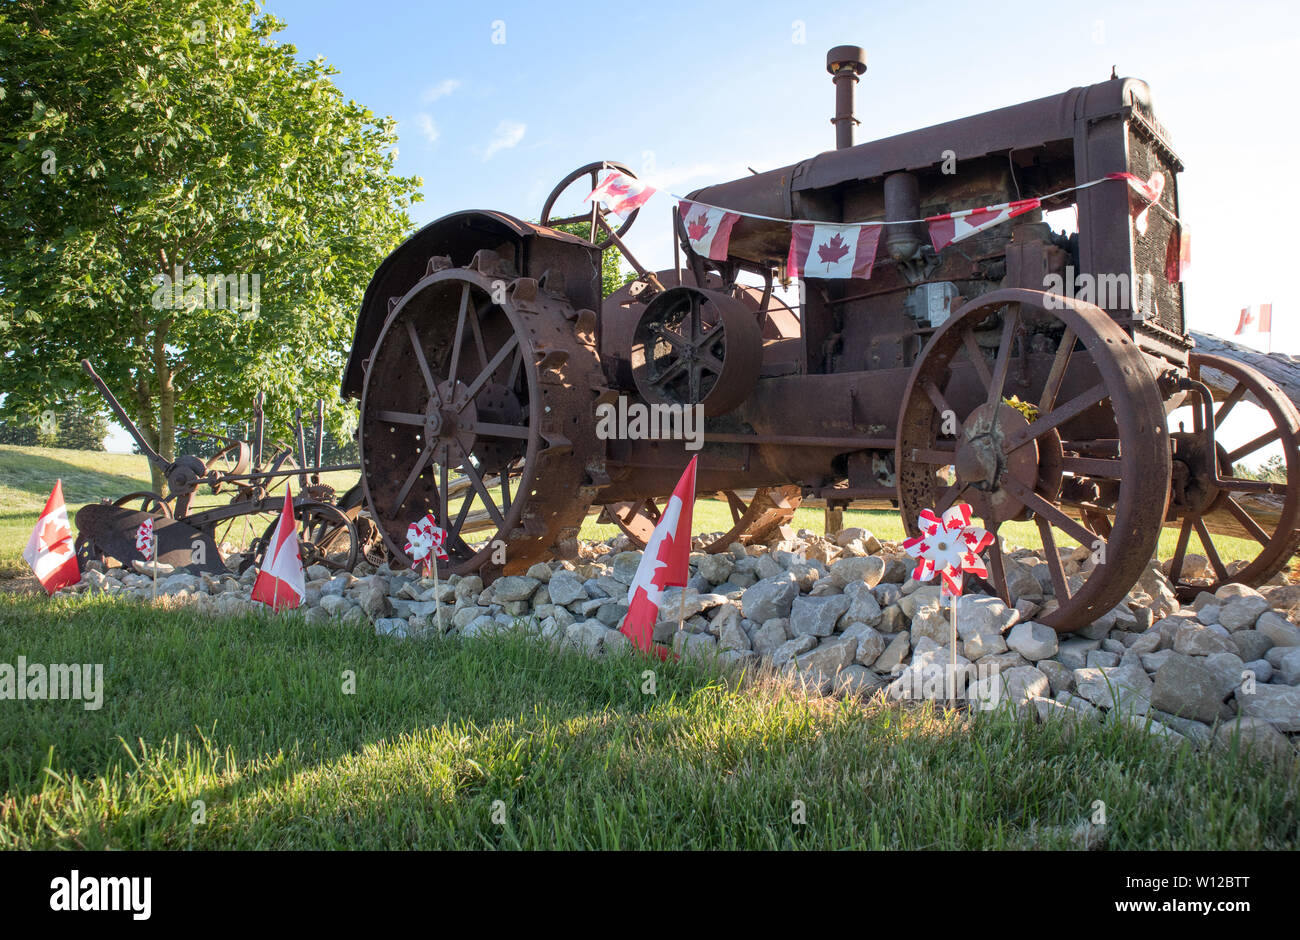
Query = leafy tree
x=145 y=138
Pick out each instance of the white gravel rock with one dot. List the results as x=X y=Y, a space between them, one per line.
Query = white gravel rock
x=1034 y=641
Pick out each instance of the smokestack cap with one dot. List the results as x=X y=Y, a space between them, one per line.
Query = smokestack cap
x=841 y=56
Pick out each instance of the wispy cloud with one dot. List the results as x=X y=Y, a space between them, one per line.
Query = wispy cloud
x=440 y=90
x=705 y=172
x=427 y=127
x=507 y=135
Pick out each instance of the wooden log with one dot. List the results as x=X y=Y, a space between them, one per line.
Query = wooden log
x=1282 y=370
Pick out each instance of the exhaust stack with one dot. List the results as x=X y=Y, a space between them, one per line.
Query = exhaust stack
x=845 y=63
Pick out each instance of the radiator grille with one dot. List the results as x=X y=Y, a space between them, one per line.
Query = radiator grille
x=1165 y=300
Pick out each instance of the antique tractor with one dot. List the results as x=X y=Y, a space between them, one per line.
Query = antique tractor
x=483 y=348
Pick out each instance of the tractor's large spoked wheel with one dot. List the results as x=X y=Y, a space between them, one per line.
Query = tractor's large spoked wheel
x=478 y=408
x=1060 y=420
x=753 y=520
x=1265 y=512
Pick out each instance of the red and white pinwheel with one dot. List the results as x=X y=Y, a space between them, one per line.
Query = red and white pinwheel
x=144 y=539
x=948 y=547
x=425 y=541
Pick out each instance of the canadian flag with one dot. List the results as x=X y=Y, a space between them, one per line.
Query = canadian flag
x=1178 y=254
x=1149 y=191
x=280 y=582
x=664 y=563
x=823 y=250
x=621 y=193
x=708 y=229
x=49 y=551
x=954 y=226
x=1255 y=318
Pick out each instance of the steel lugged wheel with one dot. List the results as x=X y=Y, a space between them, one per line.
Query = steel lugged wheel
x=478 y=408
x=1085 y=437
x=1265 y=512
x=753 y=520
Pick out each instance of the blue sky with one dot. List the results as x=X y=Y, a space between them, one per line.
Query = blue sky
x=696 y=92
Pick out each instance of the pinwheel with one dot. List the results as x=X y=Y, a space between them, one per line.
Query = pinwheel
x=147 y=545
x=424 y=542
x=144 y=539
x=948 y=546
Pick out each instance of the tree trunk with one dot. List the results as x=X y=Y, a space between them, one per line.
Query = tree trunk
x=145 y=422
x=163 y=380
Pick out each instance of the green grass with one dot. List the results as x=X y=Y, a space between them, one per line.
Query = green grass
x=249 y=716
x=28 y=473
x=713 y=515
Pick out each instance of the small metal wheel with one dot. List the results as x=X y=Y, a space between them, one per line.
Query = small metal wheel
x=754 y=520
x=1217 y=499
x=232 y=460
x=1063 y=420
x=696 y=347
x=591 y=170
x=148 y=502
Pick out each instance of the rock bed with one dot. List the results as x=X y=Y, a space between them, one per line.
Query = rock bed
x=842 y=614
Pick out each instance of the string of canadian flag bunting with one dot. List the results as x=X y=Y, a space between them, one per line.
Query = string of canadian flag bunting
x=848 y=250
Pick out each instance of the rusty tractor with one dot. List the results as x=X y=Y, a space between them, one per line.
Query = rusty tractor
x=483 y=348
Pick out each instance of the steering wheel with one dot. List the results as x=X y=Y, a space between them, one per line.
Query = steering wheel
x=593 y=171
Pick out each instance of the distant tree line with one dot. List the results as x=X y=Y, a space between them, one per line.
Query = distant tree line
x=335 y=448
x=71 y=426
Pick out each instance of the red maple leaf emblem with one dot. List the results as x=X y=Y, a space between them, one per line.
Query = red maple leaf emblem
x=660 y=575
x=698 y=227
x=833 y=250
x=615 y=188
x=51 y=534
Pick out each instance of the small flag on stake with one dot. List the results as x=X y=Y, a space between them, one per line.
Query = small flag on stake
x=1255 y=318
x=49 y=551
x=664 y=563
x=280 y=581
